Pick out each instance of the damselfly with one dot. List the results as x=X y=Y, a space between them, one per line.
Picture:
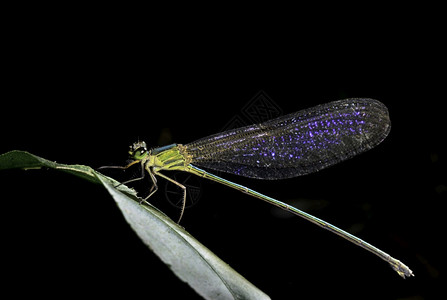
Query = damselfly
x=292 y=145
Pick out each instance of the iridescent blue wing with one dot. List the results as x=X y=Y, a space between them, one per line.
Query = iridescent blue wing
x=296 y=144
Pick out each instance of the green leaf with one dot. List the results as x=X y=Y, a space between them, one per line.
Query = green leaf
x=191 y=261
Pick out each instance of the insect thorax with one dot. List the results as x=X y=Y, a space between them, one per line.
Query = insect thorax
x=173 y=158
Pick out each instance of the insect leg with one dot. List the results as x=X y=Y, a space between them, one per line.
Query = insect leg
x=181 y=186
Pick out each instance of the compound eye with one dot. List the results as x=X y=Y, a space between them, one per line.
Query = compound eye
x=139 y=153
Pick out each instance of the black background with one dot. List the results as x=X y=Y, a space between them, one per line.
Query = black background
x=79 y=89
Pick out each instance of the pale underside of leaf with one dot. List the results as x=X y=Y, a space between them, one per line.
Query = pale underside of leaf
x=192 y=262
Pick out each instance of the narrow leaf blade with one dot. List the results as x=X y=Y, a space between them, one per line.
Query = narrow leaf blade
x=192 y=262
